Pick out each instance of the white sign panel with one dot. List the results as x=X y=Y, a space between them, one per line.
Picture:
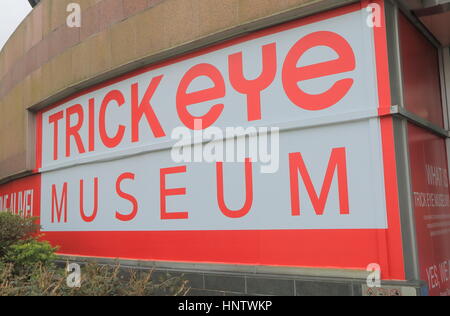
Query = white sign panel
x=108 y=159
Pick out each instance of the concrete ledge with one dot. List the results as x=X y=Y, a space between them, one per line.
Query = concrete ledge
x=225 y=268
x=238 y=280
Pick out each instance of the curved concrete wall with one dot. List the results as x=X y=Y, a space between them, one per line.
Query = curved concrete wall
x=44 y=60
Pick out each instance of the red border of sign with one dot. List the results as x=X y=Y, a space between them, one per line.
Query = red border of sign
x=344 y=249
x=392 y=237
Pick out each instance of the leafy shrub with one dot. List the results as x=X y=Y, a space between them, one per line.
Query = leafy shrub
x=27 y=253
x=27 y=269
x=14 y=228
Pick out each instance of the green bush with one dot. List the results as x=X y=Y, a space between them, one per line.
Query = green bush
x=13 y=229
x=27 y=253
x=27 y=269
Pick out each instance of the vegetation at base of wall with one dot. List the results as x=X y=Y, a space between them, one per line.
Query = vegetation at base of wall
x=27 y=268
x=97 y=280
x=14 y=229
x=26 y=254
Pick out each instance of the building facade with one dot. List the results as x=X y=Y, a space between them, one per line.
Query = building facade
x=351 y=95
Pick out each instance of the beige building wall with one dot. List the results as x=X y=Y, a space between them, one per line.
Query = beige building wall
x=45 y=60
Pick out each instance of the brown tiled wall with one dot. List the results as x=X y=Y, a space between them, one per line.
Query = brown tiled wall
x=44 y=58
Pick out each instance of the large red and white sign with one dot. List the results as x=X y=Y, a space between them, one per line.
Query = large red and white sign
x=319 y=71
x=431 y=191
x=110 y=186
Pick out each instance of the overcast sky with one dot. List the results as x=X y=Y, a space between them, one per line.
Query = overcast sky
x=12 y=12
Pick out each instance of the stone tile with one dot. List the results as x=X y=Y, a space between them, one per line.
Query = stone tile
x=255 y=9
x=33 y=28
x=35 y=86
x=224 y=283
x=90 y=23
x=131 y=7
x=56 y=39
x=18 y=72
x=2 y=132
x=38 y=25
x=44 y=82
x=196 y=280
x=15 y=47
x=61 y=72
x=12 y=101
x=46 y=8
x=58 y=13
x=152 y=3
x=216 y=15
x=99 y=47
x=110 y=12
x=81 y=67
x=13 y=123
x=72 y=36
x=4 y=61
x=43 y=51
x=264 y=286
x=63 y=38
x=357 y=289
x=123 y=42
x=318 y=288
x=150 y=31
x=2 y=64
x=181 y=21
x=27 y=92
x=13 y=163
x=31 y=61
x=7 y=84
x=85 y=4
